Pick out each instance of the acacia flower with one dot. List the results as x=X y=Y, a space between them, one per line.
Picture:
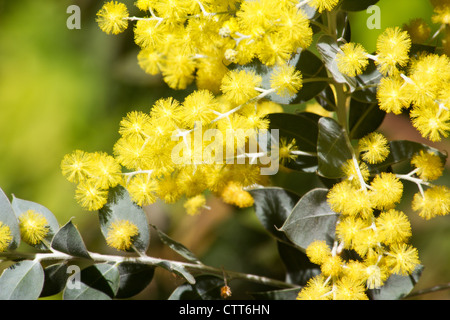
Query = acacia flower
x=386 y=190
x=76 y=166
x=393 y=226
x=90 y=195
x=194 y=204
x=238 y=87
x=322 y=5
x=332 y=266
x=286 y=80
x=142 y=189
x=435 y=201
x=33 y=227
x=317 y=251
x=121 y=235
x=5 y=236
x=349 y=289
x=431 y=121
x=392 y=47
x=317 y=288
x=233 y=193
x=374 y=148
x=402 y=258
x=352 y=60
x=285 y=150
x=429 y=165
x=112 y=17
x=392 y=95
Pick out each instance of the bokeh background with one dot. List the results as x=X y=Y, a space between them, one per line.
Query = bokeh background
x=62 y=90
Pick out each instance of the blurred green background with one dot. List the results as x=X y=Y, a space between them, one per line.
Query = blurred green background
x=62 y=90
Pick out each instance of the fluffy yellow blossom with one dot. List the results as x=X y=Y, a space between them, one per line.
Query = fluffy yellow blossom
x=435 y=201
x=352 y=60
x=393 y=227
x=322 y=5
x=387 y=190
x=353 y=172
x=112 y=17
x=142 y=189
x=392 y=95
x=5 y=236
x=346 y=199
x=76 y=166
x=431 y=121
x=178 y=70
x=239 y=86
x=135 y=124
x=317 y=288
x=90 y=195
x=429 y=165
x=392 y=48
x=332 y=266
x=317 y=251
x=286 y=80
x=199 y=106
x=402 y=258
x=149 y=60
x=374 y=148
x=33 y=227
x=349 y=289
x=233 y=193
x=106 y=171
x=348 y=228
x=121 y=235
x=194 y=204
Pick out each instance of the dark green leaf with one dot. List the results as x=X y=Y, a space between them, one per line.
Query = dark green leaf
x=397 y=286
x=284 y=294
x=343 y=26
x=327 y=99
x=205 y=288
x=22 y=281
x=364 y=118
x=97 y=282
x=404 y=150
x=357 y=5
x=21 y=206
x=333 y=148
x=68 y=240
x=120 y=207
x=328 y=48
x=134 y=278
x=303 y=127
x=309 y=65
x=56 y=276
x=8 y=218
x=273 y=206
x=311 y=219
x=176 y=246
x=298 y=267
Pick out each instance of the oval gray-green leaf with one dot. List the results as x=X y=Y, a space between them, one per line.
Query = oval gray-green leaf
x=176 y=246
x=332 y=148
x=134 y=277
x=8 y=218
x=97 y=282
x=206 y=287
x=68 y=240
x=22 y=281
x=21 y=206
x=311 y=219
x=56 y=276
x=120 y=207
x=272 y=207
